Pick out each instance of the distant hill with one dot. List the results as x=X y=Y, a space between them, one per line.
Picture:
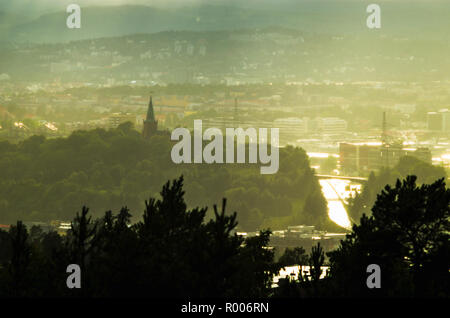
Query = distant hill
x=8 y=20
x=246 y=56
x=342 y=17
x=100 y=22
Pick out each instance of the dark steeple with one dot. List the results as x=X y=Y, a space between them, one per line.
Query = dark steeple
x=150 y=112
x=150 y=124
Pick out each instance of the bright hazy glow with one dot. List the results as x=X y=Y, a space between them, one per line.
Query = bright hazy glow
x=293 y=272
x=317 y=155
x=335 y=193
x=51 y=126
x=321 y=155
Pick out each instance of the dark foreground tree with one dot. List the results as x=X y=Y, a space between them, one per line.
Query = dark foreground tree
x=183 y=255
x=407 y=236
x=173 y=252
x=307 y=284
x=81 y=241
x=20 y=259
x=293 y=256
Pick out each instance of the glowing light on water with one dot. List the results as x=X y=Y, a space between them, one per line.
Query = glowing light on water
x=293 y=271
x=334 y=191
x=338 y=214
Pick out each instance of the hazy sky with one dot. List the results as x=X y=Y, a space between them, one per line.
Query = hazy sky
x=31 y=7
x=54 y=4
x=37 y=7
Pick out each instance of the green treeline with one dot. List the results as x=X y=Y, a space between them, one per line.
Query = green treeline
x=48 y=179
x=173 y=252
x=407 y=235
x=363 y=202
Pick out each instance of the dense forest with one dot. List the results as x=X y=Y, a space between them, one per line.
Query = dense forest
x=425 y=173
x=172 y=252
x=105 y=169
x=406 y=235
x=175 y=253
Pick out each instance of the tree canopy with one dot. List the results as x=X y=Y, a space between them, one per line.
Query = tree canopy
x=407 y=235
x=407 y=165
x=173 y=252
x=47 y=179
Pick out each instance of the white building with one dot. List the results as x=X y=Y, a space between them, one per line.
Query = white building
x=439 y=121
x=331 y=124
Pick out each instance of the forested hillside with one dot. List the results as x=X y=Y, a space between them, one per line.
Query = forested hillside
x=426 y=174
x=49 y=179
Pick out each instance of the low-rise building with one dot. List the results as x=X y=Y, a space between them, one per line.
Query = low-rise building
x=114 y=120
x=358 y=157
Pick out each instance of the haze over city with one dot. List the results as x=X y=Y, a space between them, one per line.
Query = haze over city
x=262 y=149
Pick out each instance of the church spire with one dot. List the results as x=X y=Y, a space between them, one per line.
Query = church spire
x=150 y=112
x=150 y=123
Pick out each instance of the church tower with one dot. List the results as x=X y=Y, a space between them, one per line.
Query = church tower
x=150 y=124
